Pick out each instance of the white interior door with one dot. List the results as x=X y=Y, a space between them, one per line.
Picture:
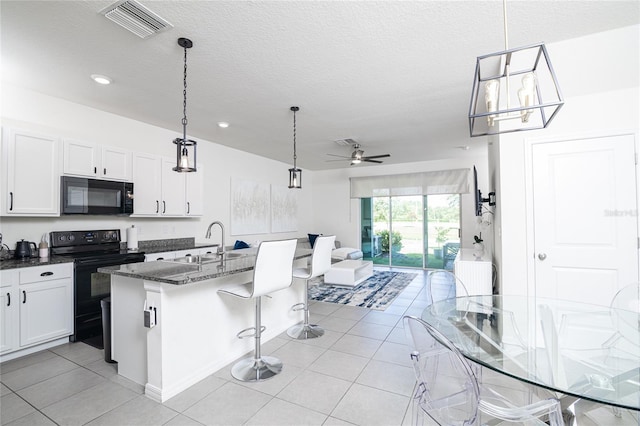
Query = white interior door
x=585 y=218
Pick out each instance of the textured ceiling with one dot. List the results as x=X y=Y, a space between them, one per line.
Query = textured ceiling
x=393 y=75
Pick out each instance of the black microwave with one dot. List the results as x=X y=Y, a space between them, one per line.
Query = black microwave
x=94 y=196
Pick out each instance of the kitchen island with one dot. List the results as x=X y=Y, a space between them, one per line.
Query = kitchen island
x=190 y=329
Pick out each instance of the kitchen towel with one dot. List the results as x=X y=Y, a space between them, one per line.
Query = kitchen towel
x=132 y=238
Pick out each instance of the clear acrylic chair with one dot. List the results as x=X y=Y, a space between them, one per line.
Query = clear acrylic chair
x=273 y=271
x=319 y=264
x=456 y=397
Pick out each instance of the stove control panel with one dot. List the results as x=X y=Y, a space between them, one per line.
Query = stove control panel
x=82 y=238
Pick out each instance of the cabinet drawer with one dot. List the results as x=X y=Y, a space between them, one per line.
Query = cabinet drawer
x=45 y=273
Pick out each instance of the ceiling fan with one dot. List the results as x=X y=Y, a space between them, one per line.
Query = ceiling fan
x=357 y=156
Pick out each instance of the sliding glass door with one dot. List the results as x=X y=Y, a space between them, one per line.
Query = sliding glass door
x=411 y=231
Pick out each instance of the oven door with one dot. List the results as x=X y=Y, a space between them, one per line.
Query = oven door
x=90 y=288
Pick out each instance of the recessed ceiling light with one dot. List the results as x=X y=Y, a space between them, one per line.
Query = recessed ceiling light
x=101 y=79
x=223 y=124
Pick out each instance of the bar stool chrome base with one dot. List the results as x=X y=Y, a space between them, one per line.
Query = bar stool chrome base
x=256 y=370
x=305 y=331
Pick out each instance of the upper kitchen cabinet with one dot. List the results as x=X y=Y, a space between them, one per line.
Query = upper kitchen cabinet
x=31 y=175
x=96 y=161
x=194 y=192
x=158 y=190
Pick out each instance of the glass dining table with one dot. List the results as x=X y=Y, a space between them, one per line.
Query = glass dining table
x=586 y=354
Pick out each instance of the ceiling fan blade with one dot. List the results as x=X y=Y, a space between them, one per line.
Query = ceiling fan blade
x=377 y=156
x=341 y=156
x=368 y=160
x=330 y=161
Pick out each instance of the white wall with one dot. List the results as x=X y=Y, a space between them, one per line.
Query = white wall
x=335 y=213
x=26 y=109
x=600 y=77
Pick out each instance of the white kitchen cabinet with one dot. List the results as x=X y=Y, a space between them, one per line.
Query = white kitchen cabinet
x=173 y=188
x=46 y=303
x=37 y=307
x=9 y=310
x=194 y=191
x=45 y=311
x=158 y=190
x=96 y=161
x=31 y=186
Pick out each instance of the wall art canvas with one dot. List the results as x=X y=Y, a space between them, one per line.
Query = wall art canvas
x=284 y=209
x=249 y=207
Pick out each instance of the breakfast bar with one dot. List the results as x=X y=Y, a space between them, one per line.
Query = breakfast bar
x=170 y=326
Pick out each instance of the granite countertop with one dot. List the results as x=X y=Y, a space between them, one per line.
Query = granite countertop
x=178 y=272
x=12 y=263
x=150 y=246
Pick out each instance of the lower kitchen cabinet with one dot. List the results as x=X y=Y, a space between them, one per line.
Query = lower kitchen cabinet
x=9 y=314
x=37 y=306
x=45 y=311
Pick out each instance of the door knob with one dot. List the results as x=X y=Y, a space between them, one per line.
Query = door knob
x=542 y=256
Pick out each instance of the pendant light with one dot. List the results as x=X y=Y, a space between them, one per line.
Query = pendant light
x=185 y=162
x=295 y=174
x=536 y=94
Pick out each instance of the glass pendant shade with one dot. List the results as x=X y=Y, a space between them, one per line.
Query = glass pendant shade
x=513 y=90
x=185 y=155
x=295 y=178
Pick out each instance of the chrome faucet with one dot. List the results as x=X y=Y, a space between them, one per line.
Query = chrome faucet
x=208 y=234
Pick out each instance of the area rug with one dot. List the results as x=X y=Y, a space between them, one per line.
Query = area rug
x=376 y=292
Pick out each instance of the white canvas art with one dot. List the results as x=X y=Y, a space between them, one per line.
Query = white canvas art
x=249 y=207
x=284 y=209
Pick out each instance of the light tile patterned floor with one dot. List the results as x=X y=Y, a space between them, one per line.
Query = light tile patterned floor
x=358 y=373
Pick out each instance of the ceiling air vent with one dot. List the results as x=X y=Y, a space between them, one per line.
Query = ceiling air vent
x=136 y=18
x=345 y=142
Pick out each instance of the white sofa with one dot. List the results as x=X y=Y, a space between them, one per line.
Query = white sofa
x=338 y=254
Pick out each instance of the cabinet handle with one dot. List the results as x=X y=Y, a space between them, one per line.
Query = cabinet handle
x=157 y=206
x=11 y=201
x=95 y=170
x=24 y=296
x=160 y=258
x=46 y=274
x=188 y=207
x=164 y=207
x=105 y=171
x=8 y=299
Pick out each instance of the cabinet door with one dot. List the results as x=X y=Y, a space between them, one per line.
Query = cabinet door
x=8 y=319
x=80 y=158
x=116 y=164
x=33 y=178
x=46 y=311
x=173 y=197
x=194 y=191
x=146 y=184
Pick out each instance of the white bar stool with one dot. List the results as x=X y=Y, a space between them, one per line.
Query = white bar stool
x=273 y=271
x=319 y=264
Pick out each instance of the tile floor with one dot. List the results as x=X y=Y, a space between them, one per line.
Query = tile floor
x=358 y=373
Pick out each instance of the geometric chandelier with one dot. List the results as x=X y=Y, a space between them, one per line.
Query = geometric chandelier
x=513 y=90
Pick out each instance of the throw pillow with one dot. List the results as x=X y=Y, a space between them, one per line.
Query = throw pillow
x=312 y=238
x=240 y=245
